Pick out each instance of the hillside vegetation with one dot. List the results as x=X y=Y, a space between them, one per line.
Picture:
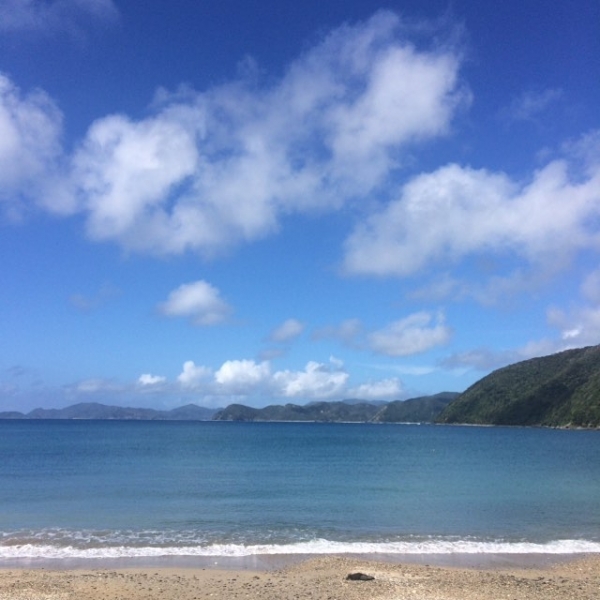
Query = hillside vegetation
x=315 y=411
x=561 y=390
x=416 y=410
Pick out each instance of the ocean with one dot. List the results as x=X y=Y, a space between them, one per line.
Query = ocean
x=144 y=489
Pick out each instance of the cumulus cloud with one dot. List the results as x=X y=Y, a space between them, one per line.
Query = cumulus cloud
x=318 y=380
x=210 y=169
x=50 y=16
x=146 y=379
x=242 y=376
x=457 y=212
x=192 y=374
x=287 y=331
x=124 y=171
x=199 y=301
x=30 y=151
x=236 y=380
x=414 y=334
x=251 y=379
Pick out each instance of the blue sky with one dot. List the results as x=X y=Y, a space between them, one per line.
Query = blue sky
x=219 y=202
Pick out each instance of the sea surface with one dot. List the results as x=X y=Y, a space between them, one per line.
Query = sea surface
x=118 y=489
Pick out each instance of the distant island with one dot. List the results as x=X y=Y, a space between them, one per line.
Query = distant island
x=560 y=390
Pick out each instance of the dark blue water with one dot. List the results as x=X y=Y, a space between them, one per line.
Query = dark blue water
x=138 y=488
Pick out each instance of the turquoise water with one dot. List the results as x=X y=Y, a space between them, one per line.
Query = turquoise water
x=82 y=489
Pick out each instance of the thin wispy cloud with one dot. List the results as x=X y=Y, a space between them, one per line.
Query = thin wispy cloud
x=47 y=17
x=529 y=105
x=287 y=331
x=413 y=334
x=89 y=302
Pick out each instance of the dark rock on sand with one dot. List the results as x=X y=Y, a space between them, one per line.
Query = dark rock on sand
x=359 y=577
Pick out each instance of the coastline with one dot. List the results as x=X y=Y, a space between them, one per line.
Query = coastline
x=561 y=578
x=270 y=562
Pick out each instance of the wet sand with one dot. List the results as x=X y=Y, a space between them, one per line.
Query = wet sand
x=322 y=578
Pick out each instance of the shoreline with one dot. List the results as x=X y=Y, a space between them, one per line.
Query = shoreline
x=316 y=577
x=269 y=562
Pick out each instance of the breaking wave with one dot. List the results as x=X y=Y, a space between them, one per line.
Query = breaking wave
x=91 y=547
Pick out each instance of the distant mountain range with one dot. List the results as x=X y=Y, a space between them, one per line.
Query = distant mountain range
x=416 y=410
x=561 y=390
x=94 y=410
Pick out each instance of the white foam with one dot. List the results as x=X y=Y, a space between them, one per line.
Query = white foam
x=317 y=546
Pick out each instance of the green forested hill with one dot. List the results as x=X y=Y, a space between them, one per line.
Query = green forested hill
x=559 y=390
x=316 y=411
x=424 y=409
x=416 y=410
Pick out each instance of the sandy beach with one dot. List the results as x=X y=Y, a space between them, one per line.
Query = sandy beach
x=323 y=578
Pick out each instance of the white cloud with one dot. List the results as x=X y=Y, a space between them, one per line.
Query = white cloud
x=385 y=389
x=318 y=380
x=148 y=379
x=49 y=16
x=248 y=378
x=199 y=301
x=456 y=212
x=579 y=327
x=210 y=169
x=243 y=380
x=416 y=333
x=125 y=171
x=242 y=376
x=193 y=375
x=30 y=151
x=287 y=331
